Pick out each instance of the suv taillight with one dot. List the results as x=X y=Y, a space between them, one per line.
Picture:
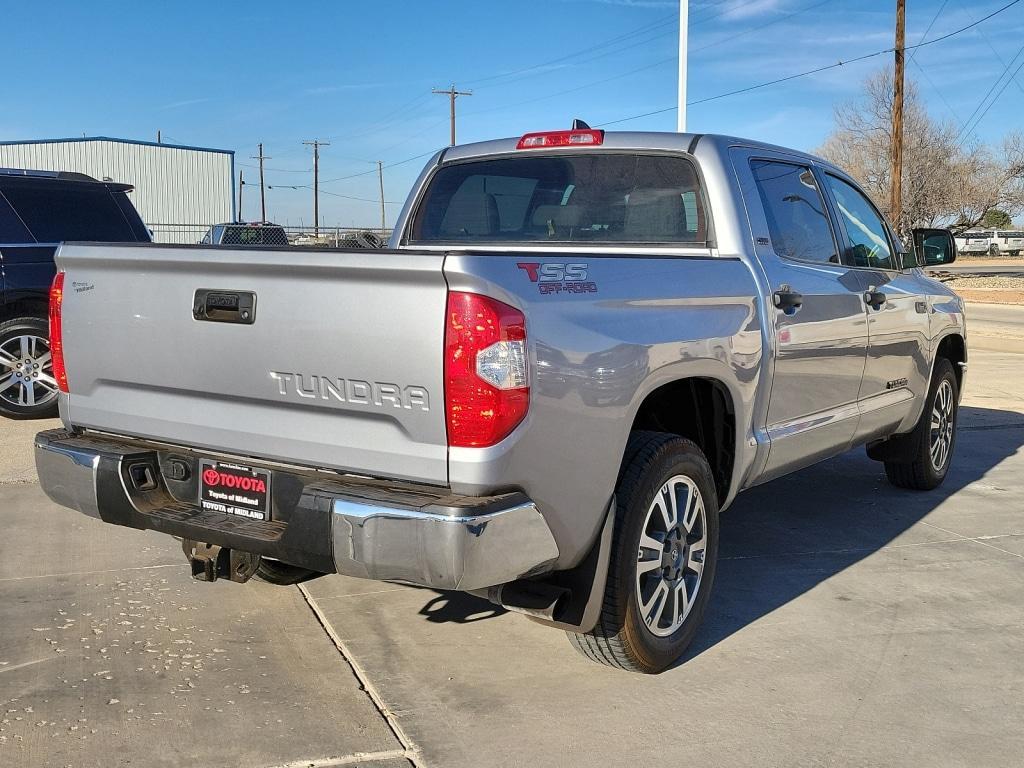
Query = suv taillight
x=56 y=335
x=486 y=373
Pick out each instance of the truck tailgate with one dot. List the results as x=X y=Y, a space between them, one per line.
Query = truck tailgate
x=340 y=367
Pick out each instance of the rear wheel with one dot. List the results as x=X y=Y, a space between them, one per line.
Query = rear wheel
x=27 y=387
x=934 y=437
x=664 y=551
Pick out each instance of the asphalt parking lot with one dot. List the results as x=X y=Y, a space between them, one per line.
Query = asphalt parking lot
x=852 y=624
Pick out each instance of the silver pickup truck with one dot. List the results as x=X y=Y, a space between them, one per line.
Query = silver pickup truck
x=579 y=348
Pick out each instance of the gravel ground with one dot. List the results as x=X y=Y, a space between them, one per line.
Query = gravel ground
x=991 y=289
x=990 y=283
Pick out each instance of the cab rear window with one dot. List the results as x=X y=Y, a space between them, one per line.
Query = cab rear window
x=592 y=197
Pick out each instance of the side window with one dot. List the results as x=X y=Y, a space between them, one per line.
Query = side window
x=795 y=211
x=57 y=211
x=11 y=229
x=865 y=231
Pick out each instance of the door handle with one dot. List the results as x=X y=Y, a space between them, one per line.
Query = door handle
x=788 y=300
x=224 y=306
x=874 y=298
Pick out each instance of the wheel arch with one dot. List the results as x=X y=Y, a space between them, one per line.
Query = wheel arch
x=702 y=409
x=28 y=306
x=953 y=347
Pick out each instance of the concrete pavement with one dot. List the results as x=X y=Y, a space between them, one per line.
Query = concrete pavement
x=852 y=624
x=110 y=655
x=997 y=327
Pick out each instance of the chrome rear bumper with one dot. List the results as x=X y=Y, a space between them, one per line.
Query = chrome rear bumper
x=354 y=526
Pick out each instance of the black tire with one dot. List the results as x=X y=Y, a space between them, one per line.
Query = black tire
x=922 y=473
x=283 y=574
x=20 y=383
x=622 y=637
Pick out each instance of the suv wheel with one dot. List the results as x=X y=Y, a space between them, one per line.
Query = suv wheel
x=934 y=437
x=27 y=387
x=664 y=551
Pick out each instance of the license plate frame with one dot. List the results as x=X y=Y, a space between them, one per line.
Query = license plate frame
x=234 y=489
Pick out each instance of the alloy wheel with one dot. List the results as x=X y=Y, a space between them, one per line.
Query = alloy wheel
x=941 y=432
x=26 y=371
x=670 y=561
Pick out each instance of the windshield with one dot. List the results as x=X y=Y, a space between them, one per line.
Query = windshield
x=596 y=197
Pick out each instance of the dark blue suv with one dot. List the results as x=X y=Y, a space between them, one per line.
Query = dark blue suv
x=38 y=211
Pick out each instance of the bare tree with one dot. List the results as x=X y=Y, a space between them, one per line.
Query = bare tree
x=946 y=181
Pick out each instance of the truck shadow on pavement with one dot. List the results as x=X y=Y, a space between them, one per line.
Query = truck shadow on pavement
x=782 y=539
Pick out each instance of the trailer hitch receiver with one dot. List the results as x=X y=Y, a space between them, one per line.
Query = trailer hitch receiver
x=211 y=562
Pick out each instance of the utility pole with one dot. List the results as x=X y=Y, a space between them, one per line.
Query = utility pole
x=452 y=95
x=684 y=24
x=263 y=195
x=316 y=144
x=241 y=186
x=896 y=190
x=380 y=175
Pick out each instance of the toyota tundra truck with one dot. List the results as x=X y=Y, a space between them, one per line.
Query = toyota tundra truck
x=578 y=349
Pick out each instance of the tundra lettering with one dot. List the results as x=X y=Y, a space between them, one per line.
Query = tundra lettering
x=351 y=391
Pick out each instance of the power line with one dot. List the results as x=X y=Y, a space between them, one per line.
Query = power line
x=646 y=29
x=611 y=41
x=645 y=67
x=991 y=47
x=758 y=28
x=335 y=194
x=930 y=25
x=1000 y=93
x=816 y=70
x=277 y=170
x=646 y=39
x=374 y=170
x=970 y=124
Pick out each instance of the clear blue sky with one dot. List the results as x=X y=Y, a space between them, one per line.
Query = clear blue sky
x=230 y=75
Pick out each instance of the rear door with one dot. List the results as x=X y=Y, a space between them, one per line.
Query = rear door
x=26 y=267
x=314 y=357
x=820 y=322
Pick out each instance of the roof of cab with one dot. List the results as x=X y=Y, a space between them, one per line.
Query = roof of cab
x=631 y=140
x=62 y=176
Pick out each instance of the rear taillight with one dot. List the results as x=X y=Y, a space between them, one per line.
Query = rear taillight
x=486 y=373
x=56 y=334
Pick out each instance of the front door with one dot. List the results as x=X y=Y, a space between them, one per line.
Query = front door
x=819 y=314
x=898 y=362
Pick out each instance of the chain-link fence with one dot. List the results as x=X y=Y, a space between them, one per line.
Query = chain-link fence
x=234 y=234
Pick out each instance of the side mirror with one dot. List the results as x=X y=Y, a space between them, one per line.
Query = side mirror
x=934 y=247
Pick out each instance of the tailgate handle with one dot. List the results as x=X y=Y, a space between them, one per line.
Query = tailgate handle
x=217 y=306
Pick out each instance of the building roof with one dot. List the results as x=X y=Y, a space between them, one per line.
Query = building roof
x=118 y=141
